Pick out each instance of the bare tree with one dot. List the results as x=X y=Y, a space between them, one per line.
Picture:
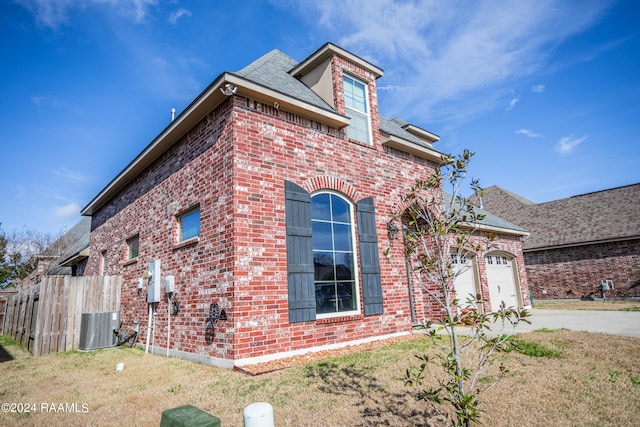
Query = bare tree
x=440 y=230
x=26 y=255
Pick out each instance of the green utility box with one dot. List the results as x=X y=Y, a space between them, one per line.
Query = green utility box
x=188 y=416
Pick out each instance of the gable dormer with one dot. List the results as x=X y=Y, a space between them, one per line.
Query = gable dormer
x=348 y=84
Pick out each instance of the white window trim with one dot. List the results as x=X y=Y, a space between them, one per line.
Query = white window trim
x=356 y=260
x=367 y=104
x=179 y=219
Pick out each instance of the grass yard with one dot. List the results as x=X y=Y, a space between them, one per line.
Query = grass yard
x=615 y=305
x=572 y=378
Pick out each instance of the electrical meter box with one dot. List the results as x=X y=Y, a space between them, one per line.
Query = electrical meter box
x=170 y=285
x=153 y=293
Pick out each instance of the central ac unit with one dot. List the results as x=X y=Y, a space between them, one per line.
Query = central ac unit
x=96 y=329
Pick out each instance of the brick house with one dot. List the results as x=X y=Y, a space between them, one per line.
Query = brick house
x=74 y=254
x=577 y=242
x=269 y=196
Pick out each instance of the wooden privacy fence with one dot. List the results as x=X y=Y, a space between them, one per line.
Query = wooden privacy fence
x=46 y=317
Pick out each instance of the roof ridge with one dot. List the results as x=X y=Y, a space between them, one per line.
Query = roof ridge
x=266 y=58
x=516 y=197
x=602 y=191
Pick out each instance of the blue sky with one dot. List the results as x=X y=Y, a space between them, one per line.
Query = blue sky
x=546 y=92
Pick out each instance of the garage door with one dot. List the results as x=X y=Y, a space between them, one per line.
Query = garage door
x=465 y=281
x=502 y=286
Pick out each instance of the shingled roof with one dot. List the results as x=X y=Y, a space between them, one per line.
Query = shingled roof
x=490 y=221
x=76 y=247
x=601 y=216
x=270 y=79
x=273 y=71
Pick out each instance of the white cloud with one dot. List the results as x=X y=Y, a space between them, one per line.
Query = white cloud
x=70 y=175
x=54 y=13
x=48 y=13
x=513 y=103
x=390 y=88
x=537 y=88
x=567 y=144
x=528 y=133
x=133 y=9
x=455 y=50
x=68 y=210
x=174 y=16
x=46 y=102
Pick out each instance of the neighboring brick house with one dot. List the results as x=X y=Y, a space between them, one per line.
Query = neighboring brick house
x=75 y=250
x=577 y=242
x=269 y=195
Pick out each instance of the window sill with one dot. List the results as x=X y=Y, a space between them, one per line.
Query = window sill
x=341 y=317
x=130 y=262
x=186 y=243
x=361 y=143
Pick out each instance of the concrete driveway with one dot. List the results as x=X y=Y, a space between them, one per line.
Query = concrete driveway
x=624 y=323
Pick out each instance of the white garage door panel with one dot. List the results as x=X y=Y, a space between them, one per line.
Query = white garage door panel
x=465 y=282
x=465 y=287
x=501 y=282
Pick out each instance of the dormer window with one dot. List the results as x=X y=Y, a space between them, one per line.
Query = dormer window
x=355 y=100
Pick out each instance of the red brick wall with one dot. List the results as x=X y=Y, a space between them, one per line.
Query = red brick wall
x=233 y=165
x=197 y=170
x=576 y=272
x=268 y=152
x=510 y=246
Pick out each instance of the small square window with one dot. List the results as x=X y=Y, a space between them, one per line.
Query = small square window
x=189 y=225
x=133 y=246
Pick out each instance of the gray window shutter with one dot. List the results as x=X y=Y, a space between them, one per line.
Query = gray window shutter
x=302 y=299
x=369 y=258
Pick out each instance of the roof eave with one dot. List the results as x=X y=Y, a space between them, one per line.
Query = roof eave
x=76 y=258
x=412 y=148
x=501 y=230
x=210 y=98
x=421 y=133
x=261 y=93
x=571 y=245
x=328 y=50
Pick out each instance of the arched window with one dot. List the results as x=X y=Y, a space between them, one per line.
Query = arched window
x=333 y=243
x=321 y=262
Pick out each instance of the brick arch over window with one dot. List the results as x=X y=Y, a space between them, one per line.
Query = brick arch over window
x=326 y=182
x=300 y=264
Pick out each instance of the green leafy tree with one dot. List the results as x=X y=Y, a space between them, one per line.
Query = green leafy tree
x=438 y=230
